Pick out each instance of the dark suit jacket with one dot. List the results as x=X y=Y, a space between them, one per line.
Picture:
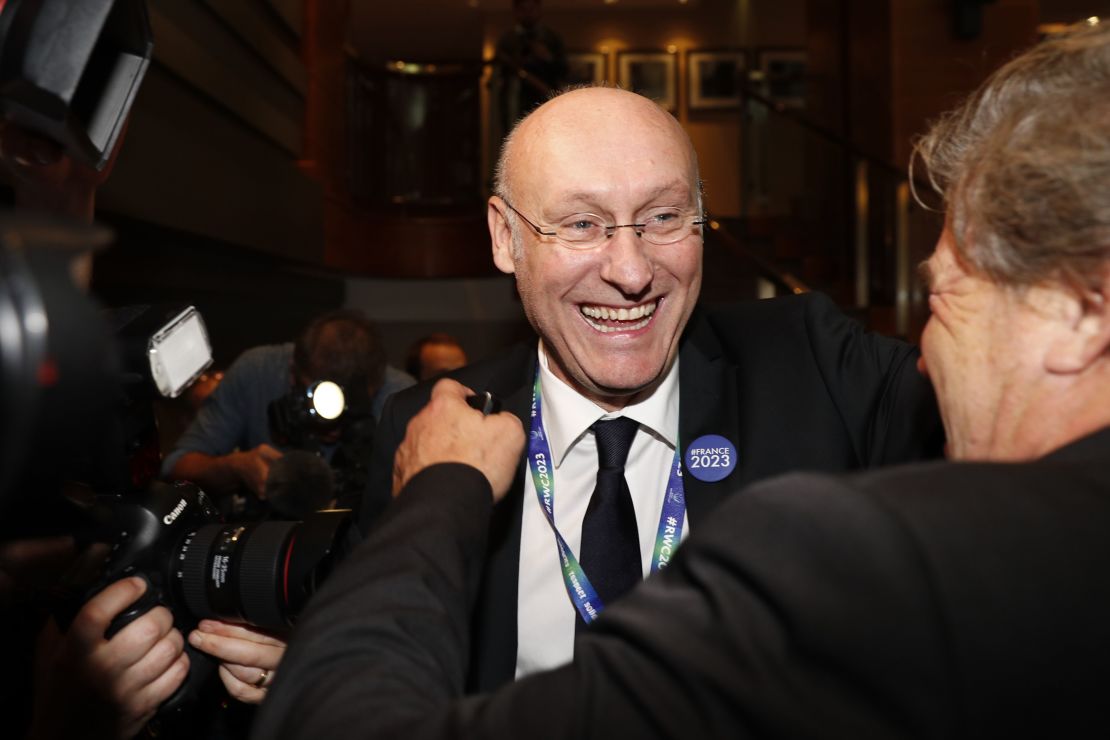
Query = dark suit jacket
x=931 y=601
x=792 y=382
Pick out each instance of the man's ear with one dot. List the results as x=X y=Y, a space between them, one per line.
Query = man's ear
x=1086 y=336
x=500 y=235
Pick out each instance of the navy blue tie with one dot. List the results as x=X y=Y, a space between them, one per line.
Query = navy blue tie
x=610 y=550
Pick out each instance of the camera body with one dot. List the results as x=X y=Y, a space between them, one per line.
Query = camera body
x=147 y=532
x=198 y=567
x=339 y=434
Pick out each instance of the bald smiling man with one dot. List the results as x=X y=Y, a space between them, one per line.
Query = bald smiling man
x=942 y=600
x=598 y=214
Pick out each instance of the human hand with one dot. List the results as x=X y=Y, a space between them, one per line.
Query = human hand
x=449 y=430
x=248 y=656
x=253 y=467
x=94 y=687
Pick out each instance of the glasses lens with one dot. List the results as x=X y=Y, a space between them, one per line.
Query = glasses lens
x=663 y=226
x=582 y=230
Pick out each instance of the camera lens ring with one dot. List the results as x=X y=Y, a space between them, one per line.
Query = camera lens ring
x=192 y=569
x=261 y=566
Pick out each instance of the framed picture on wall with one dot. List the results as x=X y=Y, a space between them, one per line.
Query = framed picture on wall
x=586 y=68
x=716 y=78
x=784 y=75
x=652 y=74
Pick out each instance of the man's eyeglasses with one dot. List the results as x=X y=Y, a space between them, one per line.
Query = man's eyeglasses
x=587 y=231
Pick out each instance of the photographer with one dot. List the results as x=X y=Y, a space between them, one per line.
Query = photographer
x=85 y=683
x=230 y=446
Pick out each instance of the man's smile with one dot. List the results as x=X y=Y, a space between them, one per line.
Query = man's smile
x=611 y=319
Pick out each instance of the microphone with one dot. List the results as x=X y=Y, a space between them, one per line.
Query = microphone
x=300 y=483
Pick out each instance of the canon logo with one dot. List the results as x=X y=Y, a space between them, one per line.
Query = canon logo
x=169 y=518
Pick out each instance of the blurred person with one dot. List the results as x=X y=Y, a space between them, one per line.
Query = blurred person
x=434 y=355
x=173 y=416
x=85 y=684
x=202 y=388
x=958 y=599
x=644 y=411
x=532 y=62
x=229 y=446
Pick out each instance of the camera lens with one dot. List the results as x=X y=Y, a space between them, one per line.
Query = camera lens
x=261 y=573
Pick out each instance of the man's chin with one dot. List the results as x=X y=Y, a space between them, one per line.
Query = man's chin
x=613 y=389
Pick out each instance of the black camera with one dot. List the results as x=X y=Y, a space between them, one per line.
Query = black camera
x=201 y=568
x=76 y=387
x=307 y=417
x=326 y=436
x=171 y=535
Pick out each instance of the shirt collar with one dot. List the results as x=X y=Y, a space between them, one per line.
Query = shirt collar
x=567 y=415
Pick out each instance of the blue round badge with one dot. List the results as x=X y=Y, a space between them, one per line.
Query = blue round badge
x=710 y=458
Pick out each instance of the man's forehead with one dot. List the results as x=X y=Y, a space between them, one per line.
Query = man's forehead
x=587 y=145
x=604 y=117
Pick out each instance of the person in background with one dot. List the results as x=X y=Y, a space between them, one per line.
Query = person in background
x=229 y=446
x=434 y=355
x=531 y=61
x=84 y=683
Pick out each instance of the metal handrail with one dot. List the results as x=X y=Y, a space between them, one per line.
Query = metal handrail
x=826 y=133
x=863 y=207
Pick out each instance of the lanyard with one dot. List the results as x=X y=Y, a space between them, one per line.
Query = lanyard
x=540 y=463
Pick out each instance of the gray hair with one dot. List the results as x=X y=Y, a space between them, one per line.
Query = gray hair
x=1023 y=166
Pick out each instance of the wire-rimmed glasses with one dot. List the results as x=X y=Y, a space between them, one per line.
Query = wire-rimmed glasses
x=660 y=226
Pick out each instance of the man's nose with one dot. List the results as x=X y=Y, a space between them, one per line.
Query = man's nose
x=625 y=262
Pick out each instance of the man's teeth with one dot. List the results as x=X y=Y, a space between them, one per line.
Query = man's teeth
x=639 y=314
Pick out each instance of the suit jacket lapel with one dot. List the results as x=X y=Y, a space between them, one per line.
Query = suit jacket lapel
x=494 y=638
x=707 y=405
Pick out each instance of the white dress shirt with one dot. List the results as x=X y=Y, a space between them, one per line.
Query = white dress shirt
x=545 y=612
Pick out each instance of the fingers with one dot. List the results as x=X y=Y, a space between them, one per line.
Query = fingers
x=449 y=430
x=151 y=679
x=139 y=707
x=242 y=690
x=268 y=453
x=448 y=388
x=242 y=651
x=242 y=631
x=92 y=621
x=254 y=467
x=150 y=635
x=249 y=657
x=120 y=681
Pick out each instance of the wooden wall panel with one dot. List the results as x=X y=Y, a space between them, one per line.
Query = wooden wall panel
x=933 y=70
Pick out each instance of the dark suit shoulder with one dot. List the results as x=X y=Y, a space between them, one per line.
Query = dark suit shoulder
x=799 y=360
x=1008 y=558
x=811 y=321
x=497 y=374
x=502 y=374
